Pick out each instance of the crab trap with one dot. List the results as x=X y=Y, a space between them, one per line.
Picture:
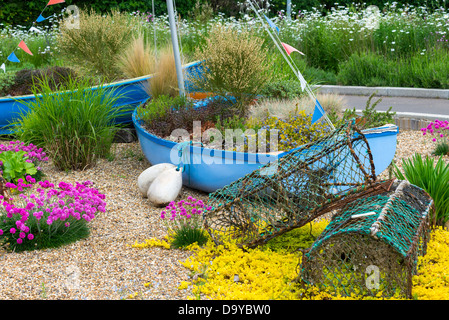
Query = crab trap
x=298 y=187
x=371 y=246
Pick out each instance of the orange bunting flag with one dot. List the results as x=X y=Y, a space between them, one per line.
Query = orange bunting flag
x=290 y=49
x=24 y=47
x=54 y=2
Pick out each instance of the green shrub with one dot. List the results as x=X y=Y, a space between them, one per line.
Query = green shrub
x=370 y=117
x=159 y=108
x=6 y=80
x=282 y=89
x=75 y=127
x=236 y=65
x=296 y=130
x=95 y=47
x=24 y=79
x=431 y=177
x=441 y=149
x=366 y=69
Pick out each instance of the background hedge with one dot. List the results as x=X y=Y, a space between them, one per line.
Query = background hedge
x=17 y=12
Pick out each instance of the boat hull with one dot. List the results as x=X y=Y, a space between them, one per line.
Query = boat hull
x=132 y=93
x=208 y=169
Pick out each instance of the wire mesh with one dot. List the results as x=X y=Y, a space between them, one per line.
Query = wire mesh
x=384 y=233
x=298 y=187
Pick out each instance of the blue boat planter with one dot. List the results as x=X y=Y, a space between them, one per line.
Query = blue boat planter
x=132 y=93
x=209 y=169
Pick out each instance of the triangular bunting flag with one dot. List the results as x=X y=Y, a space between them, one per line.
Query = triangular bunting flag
x=13 y=58
x=24 y=47
x=40 y=18
x=318 y=112
x=54 y=2
x=3 y=67
x=290 y=49
x=271 y=23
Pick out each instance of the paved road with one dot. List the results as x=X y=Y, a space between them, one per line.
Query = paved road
x=406 y=105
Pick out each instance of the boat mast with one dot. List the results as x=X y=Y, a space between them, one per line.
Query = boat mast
x=174 y=39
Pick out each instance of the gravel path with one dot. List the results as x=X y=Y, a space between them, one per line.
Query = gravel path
x=104 y=266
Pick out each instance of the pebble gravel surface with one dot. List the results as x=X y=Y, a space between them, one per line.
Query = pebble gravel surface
x=104 y=265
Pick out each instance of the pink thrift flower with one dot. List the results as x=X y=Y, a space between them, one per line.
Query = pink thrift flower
x=30 y=236
x=12 y=230
x=19 y=241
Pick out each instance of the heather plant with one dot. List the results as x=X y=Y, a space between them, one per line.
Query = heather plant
x=236 y=65
x=76 y=126
x=95 y=46
x=48 y=217
x=184 y=222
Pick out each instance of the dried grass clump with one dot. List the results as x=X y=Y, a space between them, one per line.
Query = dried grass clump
x=236 y=64
x=165 y=80
x=283 y=108
x=137 y=60
x=93 y=48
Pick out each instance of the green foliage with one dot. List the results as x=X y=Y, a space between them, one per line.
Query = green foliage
x=186 y=235
x=441 y=149
x=282 y=89
x=428 y=70
x=75 y=127
x=370 y=117
x=232 y=123
x=57 y=236
x=24 y=13
x=159 y=108
x=296 y=130
x=16 y=166
x=367 y=69
x=95 y=47
x=431 y=177
x=24 y=79
x=6 y=80
x=236 y=65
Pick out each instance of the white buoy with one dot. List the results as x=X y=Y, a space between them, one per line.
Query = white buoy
x=147 y=177
x=166 y=187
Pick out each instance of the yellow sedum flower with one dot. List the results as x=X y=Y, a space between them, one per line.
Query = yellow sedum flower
x=153 y=242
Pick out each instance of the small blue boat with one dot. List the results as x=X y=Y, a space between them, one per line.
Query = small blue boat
x=132 y=93
x=210 y=169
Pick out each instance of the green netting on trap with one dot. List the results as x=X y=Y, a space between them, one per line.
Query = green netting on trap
x=292 y=191
x=372 y=244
